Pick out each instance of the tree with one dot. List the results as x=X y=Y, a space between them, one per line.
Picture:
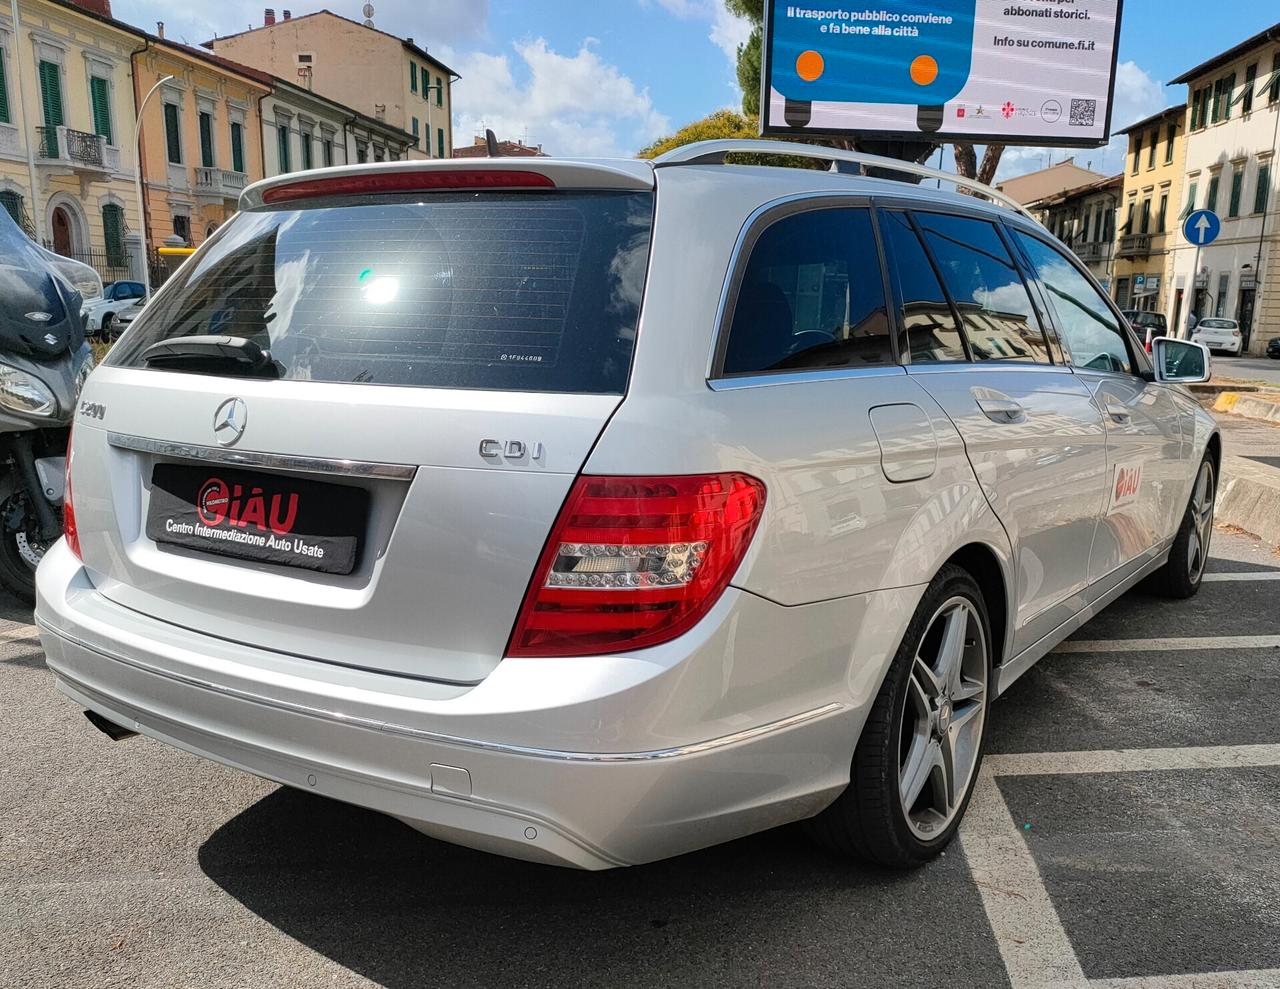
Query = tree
x=720 y=125
x=749 y=69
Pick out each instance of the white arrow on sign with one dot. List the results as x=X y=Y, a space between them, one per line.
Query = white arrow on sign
x=1202 y=225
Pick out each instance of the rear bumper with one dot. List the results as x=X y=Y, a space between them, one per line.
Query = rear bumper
x=617 y=770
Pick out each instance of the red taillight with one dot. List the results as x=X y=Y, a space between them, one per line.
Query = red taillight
x=635 y=561
x=420 y=181
x=69 y=529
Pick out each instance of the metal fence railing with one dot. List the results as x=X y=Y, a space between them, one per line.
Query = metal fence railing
x=110 y=265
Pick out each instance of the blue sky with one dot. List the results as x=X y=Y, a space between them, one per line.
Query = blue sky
x=605 y=77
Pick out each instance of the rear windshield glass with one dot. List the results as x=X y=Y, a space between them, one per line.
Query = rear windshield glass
x=512 y=291
x=1217 y=324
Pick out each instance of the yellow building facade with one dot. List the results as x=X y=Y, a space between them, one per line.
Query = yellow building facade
x=201 y=139
x=1150 y=206
x=66 y=126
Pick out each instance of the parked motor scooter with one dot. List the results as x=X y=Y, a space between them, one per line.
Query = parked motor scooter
x=44 y=361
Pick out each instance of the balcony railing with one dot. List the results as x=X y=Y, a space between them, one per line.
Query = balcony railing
x=1097 y=250
x=1135 y=246
x=75 y=148
x=221 y=183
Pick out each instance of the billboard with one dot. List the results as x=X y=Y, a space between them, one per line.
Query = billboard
x=1037 y=72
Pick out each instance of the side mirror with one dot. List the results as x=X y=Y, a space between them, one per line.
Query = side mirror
x=1180 y=361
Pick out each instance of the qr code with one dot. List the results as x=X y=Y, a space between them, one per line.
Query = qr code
x=1082 y=112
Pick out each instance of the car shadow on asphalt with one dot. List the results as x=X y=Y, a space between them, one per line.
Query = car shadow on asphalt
x=405 y=910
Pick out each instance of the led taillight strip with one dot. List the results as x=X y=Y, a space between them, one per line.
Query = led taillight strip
x=376 y=183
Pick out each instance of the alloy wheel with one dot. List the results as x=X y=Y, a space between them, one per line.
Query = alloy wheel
x=1202 y=500
x=942 y=719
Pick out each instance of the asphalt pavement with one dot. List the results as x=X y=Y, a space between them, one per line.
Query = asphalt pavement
x=1125 y=834
x=1263 y=369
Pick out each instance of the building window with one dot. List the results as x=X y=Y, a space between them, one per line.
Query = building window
x=1163 y=216
x=1137 y=152
x=1170 y=136
x=362 y=152
x=440 y=93
x=326 y=151
x=1122 y=293
x=440 y=143
x=379 y=153
x=307 y=161
x=206 y=139
x=1151 y=152
x=1146 y=216
x=172 y=134
x=1224 y=286
x=13 y=205
x=1211 y=200
x=415 y=132
x=1250 y=80
x=282 y=147
x=413 y=77
x=1217 y=102
x=113 y=234
x=1274 y=94
x=4 y=92
x=1191 y=201
x=1237 y=189
x=1197 y=121
x=100 y=100
x=182 y=227
x=51 y=104
x=237 y=146
x=1263 y=193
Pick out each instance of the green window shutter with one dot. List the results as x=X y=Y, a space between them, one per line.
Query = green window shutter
x=1228 y=90
x=326 y=151
x=1263 y=192
x=100 y=97
x=1250 y=81
x=4 y=93
x=1195 y=110
x=113 y=232
x=172 y=139
x=306 y=151
x=1191 y=202
x=282 y=147
x=1237 y=189
x=440 y=143
x=206 y=140
x=1274 y=94
x=237 y=147
x=413 y=77
x=51 y=94
x=440 y=92
x=415 y=132
x=1211 y=201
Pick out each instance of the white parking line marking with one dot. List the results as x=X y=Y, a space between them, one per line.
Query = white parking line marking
x=1159 y=645
x=1032 y=941
x=1263 y=978
x=1255 y=575
x=1132 y=760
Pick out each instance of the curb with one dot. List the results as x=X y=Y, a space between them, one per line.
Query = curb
x=1249 y=498
x=1252 y=406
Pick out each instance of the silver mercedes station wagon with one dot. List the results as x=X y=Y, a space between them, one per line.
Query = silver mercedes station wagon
x=591 y=512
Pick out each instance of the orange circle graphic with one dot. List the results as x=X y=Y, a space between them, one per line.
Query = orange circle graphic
x=809 y=65
x=924 y=69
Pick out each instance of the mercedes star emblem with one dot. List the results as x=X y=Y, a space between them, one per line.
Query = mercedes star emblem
x=229 y=421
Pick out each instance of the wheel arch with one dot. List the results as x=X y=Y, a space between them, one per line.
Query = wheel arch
x=981 y=563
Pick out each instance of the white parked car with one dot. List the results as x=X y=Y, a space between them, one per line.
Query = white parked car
x=591 y=512
x=1218 y=334
x=102 y=312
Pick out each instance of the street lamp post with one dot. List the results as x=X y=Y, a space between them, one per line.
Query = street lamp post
x=137 y=184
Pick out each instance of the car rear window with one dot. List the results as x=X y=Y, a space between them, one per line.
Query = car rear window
x=1217 y=324
x=510 y=291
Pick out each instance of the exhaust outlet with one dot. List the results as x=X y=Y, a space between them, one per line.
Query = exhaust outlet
x=112 y=730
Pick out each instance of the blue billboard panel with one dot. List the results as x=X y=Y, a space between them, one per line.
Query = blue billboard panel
x=1030 y=72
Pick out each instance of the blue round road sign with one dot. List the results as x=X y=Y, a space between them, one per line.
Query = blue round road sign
x=1202 y=227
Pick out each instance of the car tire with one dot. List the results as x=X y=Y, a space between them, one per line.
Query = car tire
x=1181 y=576
x=108 y=320
x=939 y=667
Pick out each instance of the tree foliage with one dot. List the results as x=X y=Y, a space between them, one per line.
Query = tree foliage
x=720 y=125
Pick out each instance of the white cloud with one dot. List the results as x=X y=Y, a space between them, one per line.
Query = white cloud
x=1137 y=95
x=726 y=31
x=575 y=104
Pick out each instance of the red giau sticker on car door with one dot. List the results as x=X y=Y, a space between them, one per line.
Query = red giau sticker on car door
x=1125 y=485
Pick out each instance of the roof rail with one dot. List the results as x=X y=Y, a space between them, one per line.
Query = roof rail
x=714 y=152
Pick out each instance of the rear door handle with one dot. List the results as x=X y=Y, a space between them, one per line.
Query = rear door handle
x=1119 y=413
x=1002 y=410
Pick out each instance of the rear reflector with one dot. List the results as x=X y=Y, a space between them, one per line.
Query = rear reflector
x=636 y=561
x=69 y=530
x=422 y=181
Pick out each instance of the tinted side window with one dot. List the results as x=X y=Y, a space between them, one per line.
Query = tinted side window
x=931 y=329
x=1086 y=324
x=812 y=297
x=999 y=321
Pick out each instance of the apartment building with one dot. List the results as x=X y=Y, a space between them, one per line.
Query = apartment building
x=201 y=138
x=66 y=126
x=1233 y=133
x=384 y=77
x=1083 y=218
x=1151 y=201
